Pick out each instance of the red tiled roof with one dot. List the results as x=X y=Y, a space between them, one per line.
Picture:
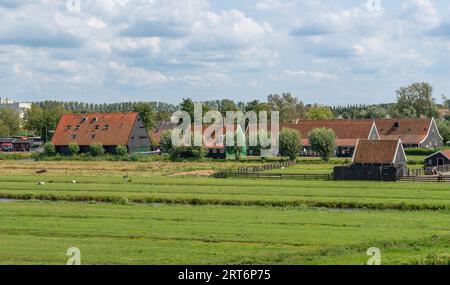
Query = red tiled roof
x=410 y=131
x=347 y=131
x=109 y=129
x=446 y=153
x=375 y=151
x=155 y=136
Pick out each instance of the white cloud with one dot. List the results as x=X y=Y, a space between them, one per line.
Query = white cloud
x=207 y=80
x=270 y=5
x=137 y=76
x=303 y=75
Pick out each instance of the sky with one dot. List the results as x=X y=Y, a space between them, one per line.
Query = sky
x=326 y=52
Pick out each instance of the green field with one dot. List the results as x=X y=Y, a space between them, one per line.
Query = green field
x=37 y=232
x=181 y=218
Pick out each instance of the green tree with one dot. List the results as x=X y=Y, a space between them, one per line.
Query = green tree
x=121 y=150
x=166 y=142
x=74 y=148
x=43 y=118
x=444 y=129
x=323 y=141
x=416 y=100
x=4 y=130
x=256 y=106
x=49 y=149
x=96 y=149
x=227 y=105
x=147 y=113
x=290 y=108
x=290 y=143
x=187 y=105
x=320 y=113
x=11 y=120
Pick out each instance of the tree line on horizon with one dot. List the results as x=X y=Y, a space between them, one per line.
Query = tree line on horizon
x=412 y=101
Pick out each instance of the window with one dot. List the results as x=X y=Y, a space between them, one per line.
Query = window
x=74 y=136
x=93 y=136
x=77 y=127
x=69 y=127
x=97 y=127
x=142 y=137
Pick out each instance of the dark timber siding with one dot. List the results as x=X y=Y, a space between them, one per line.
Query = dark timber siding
x=139 y=138
x=434 y=159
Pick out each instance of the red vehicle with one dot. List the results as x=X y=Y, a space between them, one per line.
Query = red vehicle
x=6 y=147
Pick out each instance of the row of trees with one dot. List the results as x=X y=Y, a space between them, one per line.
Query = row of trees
x=413 y=101
x=321 y=140
x=94 y=149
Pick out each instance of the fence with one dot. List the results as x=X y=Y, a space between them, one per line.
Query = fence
x=265 y=167
x=274 y=176
x=435 y=179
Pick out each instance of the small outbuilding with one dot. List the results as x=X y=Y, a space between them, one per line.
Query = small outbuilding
x=375 y=160
x=437 y=159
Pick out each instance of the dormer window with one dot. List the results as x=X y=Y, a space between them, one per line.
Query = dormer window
x=93 y=136
x=77 y=127
x=97 y=127
x=95 y=120
x=74 y=136
x=84 y=119
x=69 y=127
x=106 y=127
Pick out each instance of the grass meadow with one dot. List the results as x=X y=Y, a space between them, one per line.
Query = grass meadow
x=171 y=213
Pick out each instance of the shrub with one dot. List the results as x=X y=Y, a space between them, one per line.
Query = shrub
x=420 y=151
x=74 y=148
x=96 y=149
x=49 y=149
x=323 y=141
x=121 y=150
x=290 y=143
x=166 y=142
x=194 y=152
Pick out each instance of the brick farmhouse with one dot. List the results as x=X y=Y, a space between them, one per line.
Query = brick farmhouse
x=108 y=129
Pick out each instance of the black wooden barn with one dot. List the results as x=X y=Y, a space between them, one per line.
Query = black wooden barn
x=375 y=160
x=440 y=158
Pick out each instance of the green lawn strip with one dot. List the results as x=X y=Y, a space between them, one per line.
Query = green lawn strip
x=375 y=195
x=112 y=234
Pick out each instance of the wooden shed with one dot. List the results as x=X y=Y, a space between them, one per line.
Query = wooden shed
x=440 y=158
x=375 y=160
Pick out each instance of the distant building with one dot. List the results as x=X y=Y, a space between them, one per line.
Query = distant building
x=412 y=132
x=347 y=133
x=20 y=108
x=375 y=160
x=440 y=158
x=444 y=112
x=108 y=129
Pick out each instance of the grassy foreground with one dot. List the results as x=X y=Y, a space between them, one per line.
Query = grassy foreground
x=41 y=232
x=163 y=213
x=238 y=192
